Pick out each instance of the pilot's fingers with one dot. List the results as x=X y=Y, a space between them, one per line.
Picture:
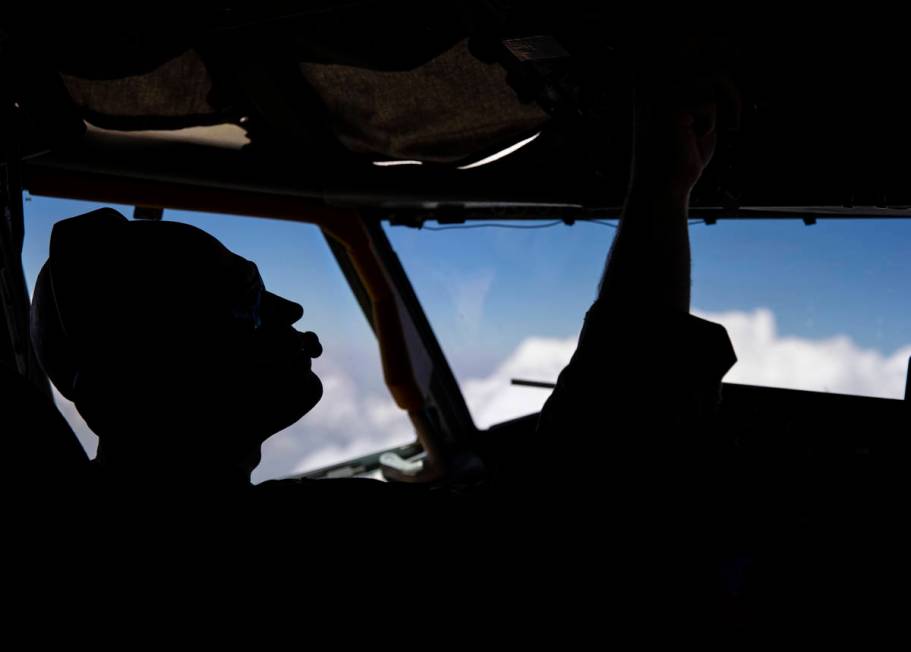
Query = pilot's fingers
x=729 y=103
x=701 y=117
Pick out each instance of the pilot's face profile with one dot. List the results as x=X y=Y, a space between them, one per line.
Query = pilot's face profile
x=273 y=359
x=155 y=328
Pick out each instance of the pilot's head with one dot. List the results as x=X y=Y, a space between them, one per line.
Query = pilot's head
x=169 y=345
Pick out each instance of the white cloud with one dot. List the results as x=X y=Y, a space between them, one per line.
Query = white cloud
x=765 y=357
x=493 y=399
x=834 y=364
x=354 y=418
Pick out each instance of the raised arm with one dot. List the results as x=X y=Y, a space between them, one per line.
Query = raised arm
x=649 y=262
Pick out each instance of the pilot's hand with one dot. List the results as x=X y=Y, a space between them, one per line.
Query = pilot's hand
x=676 y=133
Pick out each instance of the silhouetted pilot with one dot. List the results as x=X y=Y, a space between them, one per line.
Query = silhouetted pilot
x=171 y=348
x=636 y=474
x=645 y=369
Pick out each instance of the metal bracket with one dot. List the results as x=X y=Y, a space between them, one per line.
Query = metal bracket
x=908 y=382
x=13 y=289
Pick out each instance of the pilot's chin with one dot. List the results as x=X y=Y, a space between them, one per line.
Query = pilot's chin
x=312 y=393
x=283 y=403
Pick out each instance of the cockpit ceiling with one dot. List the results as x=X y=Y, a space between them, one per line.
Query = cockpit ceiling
x=314 y=99
x=444 y=111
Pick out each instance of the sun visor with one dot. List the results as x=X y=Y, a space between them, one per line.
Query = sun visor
x=444 y=111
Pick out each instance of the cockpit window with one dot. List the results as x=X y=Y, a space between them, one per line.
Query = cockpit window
x=822 y=307
x=356 y=415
